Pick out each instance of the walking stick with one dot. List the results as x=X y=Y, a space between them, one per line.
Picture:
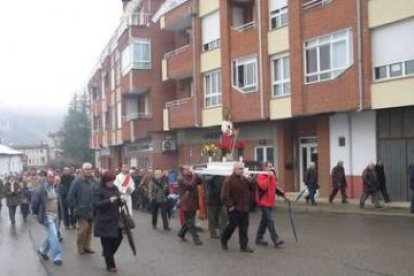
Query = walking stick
x=292 y=222
x=301 y=193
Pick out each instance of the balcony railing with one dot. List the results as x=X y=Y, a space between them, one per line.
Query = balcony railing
x=244 y=27
x=139 y=19
x=136 y=116
x=308 y=4
x=176 y=51
x=177 y=102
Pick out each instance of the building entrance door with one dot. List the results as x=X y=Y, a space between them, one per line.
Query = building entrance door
x=308 y=152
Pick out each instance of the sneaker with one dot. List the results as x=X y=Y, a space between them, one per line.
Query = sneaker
x=167 y=229
x=262 y=242
x=58 y=262
x=224 y=246
x=246 y=250
x=345 y=201
x=45 y=257
x=278 y=243
x=198 y=242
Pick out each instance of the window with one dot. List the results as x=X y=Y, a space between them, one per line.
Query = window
x=388 y=60
x=278 y=13
x=395 y=70
x=211 y=31
x=137 y=55
x=212 y=89
x=326 y=57
x=280 y=75
x=244 y=74
x=265 y=153
x=308 y=4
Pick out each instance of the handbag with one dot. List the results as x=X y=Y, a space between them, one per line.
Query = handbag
x=126 y=221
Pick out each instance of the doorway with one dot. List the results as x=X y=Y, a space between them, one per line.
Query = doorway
x=308 y=152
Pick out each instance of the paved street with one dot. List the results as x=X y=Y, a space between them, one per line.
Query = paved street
x=329 y=244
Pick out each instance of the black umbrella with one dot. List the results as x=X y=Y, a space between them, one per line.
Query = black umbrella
x=127 y=230
x=292 y=222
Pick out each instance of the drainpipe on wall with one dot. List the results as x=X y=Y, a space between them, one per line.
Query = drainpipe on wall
x=194 y=10
x=259 y=26
x=360 y=77
x=351 y=171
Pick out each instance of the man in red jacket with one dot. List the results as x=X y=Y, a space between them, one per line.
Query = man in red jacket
x=266 y=199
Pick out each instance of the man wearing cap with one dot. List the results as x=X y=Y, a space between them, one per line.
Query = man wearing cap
x=80 y=198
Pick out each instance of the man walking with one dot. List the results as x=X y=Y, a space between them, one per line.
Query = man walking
x=235 y=196
x=379 y=169
x=311 y=182
x=216 y=213
x=80 y=198
x=68 y=215
x=370 y=186
x=189 y=203
x=158 y=190
x=265 y=198
x=125 y=185
x=46 y=204
x=338 y=182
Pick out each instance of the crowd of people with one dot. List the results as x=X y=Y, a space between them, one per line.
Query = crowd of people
x=89 y=200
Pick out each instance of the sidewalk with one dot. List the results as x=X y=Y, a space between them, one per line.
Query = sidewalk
x=394 y=208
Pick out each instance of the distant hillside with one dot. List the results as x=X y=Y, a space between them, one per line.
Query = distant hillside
x=23 y=127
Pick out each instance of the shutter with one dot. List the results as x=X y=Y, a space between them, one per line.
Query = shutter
x=211 y=27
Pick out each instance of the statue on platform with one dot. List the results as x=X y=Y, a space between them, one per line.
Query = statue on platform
x=228 y=134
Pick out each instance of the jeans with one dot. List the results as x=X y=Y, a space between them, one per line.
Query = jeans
x=12 y=213
x=240 y=220
x=311 y=195
x=267 y=222
x=51 y=242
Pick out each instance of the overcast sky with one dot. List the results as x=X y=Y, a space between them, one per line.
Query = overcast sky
x=48 y=49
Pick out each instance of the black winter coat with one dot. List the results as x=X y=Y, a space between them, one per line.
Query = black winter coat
x=213 y=186
x=380 y=176
x=80 y=197
x=370 y=181
x=107 y=214
x=65 y=182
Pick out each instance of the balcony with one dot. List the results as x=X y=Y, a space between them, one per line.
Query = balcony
x=136 y=116
x=179 y=113
x=177 y=17
x=178 y=64
x=309 y=4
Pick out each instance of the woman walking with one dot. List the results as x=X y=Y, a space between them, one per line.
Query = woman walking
x=13 y=192
x=107 y=202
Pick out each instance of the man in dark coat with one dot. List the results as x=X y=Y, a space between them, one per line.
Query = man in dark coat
x=13 y=192
x=1 y=192
x=370 y=186
x=158 y=193
x=235 y=196
x=68 y=212
x=46 y=204
x=338 y=182
x=188 y=189
x=311 y=182
x=411 y=179
x=80 y=198
x=217 y=214
x=379 y=169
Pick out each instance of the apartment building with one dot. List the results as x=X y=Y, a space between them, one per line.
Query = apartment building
x=306 y=81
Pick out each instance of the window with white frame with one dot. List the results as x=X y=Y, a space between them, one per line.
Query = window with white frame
x=326 y=57
x=137 y=55
x=212 y=89
x=389 y=61
x=278 y=13
x=264 y=153
x=211 y=31
x=280 y=75
x=244 y=74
